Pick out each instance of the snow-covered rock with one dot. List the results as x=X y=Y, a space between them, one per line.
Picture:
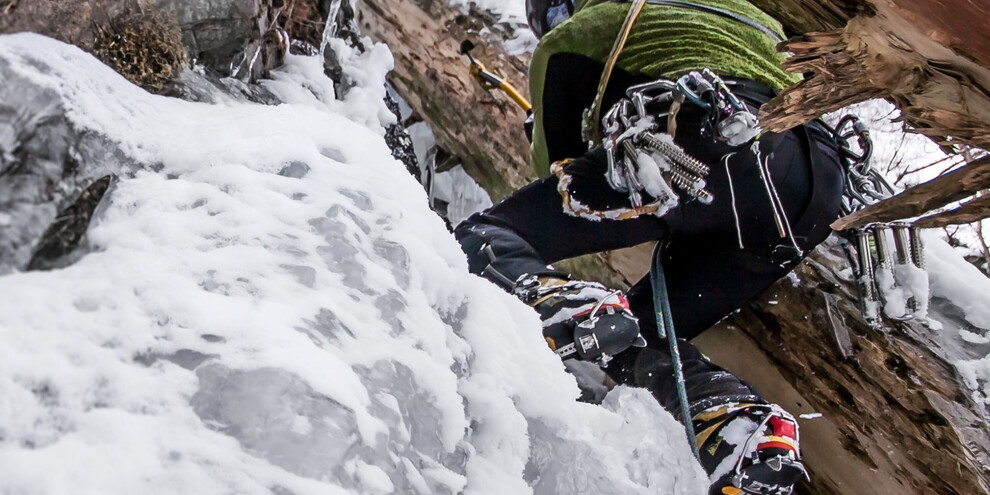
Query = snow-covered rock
x=267 y=305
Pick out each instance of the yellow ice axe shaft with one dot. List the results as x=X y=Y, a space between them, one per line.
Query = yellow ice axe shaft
x=489 y=80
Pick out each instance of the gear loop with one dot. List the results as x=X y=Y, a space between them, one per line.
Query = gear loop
x=640 y=155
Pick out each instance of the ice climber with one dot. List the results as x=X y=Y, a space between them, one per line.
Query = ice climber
x=728 y=228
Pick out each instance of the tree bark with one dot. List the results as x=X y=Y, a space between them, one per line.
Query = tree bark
x=936 y=193
x=432 y=76
x=969 y=212
x=930 y=58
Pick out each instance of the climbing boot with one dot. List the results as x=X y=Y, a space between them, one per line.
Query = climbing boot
x=583 y=320
x=749 y=449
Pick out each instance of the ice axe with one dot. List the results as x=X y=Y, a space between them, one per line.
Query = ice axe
x=489 y=81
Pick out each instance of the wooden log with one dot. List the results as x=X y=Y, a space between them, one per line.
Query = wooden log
x=806 y=16
x=903 y=50
x=936 y=193
x=970 y=212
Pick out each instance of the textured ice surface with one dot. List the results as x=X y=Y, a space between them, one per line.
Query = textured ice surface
x=267 y=305
x=462 y=194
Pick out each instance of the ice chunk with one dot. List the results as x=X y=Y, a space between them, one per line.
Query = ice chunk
x=263 y=408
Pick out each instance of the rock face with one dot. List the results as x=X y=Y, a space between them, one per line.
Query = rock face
x=215 y=32
x=71 y=22
x=45 y=165
x=268 y=309
x=238 y=38
x=68 y=229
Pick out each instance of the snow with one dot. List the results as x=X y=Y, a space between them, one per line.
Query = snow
x=510 y=15
x=905 y=291
x=953 y=278
x=976 y=375
x=973 y=338
x=269 y=306
x=736 y=433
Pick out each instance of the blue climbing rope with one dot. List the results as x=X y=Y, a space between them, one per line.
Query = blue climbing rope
x=665 y=327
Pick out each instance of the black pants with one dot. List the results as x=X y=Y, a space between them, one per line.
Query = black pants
x=715 y=257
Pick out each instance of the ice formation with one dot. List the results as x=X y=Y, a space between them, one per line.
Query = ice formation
x=265 y=304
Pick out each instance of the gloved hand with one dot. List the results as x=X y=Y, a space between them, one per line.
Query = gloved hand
x=583 y=320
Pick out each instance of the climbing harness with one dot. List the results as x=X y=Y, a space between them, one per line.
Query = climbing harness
x=868 y=248
x=489 y=80
x=665 y=327
x=638 y=153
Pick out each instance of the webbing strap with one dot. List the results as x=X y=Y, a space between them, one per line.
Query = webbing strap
x=591 y=125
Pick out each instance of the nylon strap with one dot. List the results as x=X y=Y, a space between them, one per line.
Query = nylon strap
x=591 y=125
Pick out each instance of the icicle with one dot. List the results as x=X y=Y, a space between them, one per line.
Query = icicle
x=330 y=28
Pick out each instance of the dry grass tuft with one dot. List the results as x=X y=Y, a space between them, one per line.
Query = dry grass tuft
x=145 y=47
x=7 y=6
